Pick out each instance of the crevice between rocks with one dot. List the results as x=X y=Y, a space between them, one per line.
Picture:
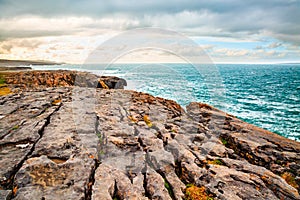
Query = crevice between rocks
x=177 y=167
x=145 y=182
x=41 y=133
x=144 y=170
x=115 y=195
x=148 y=163
x=249 y=156
x=168 y=186
x=160 y=136
x=272 y=187
x=91 y=182
x=43 y=111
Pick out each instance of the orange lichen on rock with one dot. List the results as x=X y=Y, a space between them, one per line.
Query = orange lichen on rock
x=147 y=121
x=56 y=102
x=133 y=119
x=5 y=91
x=15 y=189
x=193 y=192
x=206 y=106
x=48 y=176
x=103 y=85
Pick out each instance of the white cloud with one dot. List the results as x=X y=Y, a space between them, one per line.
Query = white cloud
x=67 y=30
x=231 y=52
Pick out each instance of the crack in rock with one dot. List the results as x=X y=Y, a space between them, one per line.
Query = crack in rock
x=105 y=144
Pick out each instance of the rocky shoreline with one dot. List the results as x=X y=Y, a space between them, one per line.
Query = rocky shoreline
x=73 y=135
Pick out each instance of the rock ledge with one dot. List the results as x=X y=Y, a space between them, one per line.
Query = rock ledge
x=84 y=142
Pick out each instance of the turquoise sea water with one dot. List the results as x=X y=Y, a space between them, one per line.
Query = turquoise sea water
x=264 y=95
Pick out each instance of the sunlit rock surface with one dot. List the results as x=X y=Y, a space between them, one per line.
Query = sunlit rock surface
x=91 y=143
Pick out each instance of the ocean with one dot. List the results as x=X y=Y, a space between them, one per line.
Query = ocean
x=266 y=95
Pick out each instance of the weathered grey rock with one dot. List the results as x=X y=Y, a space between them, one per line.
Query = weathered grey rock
x=42 y=178
x=17 y=142
x=104 y=186
x=5 y=194
x=156 y=186
x=111 y=182
x=88 y=143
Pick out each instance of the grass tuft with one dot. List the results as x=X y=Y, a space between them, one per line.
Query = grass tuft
x=215 y=162
x=2 y=80
x=290 y=179
x=224 y=141
x=169 y=188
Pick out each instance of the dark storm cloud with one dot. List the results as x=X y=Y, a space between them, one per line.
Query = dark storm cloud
x=233 y=18
x=100 y=8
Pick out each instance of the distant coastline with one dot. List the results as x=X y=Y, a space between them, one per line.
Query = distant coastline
x=13 y=65
x=16 y=63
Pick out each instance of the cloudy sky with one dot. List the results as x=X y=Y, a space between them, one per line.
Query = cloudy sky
x=229 y=31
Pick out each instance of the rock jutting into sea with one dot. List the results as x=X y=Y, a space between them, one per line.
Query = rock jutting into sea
x=74 y=135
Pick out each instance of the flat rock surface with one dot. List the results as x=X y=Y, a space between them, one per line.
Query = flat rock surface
x=88 y=143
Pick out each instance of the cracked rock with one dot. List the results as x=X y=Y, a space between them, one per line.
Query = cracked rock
x=71 y=142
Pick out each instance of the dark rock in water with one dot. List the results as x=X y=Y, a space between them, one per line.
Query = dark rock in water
x=87 y=143
x=84 y=79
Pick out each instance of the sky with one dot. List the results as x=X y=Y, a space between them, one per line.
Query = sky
x=231 y=31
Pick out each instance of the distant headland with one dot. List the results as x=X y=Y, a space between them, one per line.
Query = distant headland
x=9 y=65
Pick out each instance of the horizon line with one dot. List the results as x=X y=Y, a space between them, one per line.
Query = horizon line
x=164 y=62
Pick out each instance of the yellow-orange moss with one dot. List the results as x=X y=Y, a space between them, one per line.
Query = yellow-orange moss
x=147 y=121
x=56 y=102
x=103 y=85
x=15 y=189
x=193 y=192
x=133 y=119
x=4 y=91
